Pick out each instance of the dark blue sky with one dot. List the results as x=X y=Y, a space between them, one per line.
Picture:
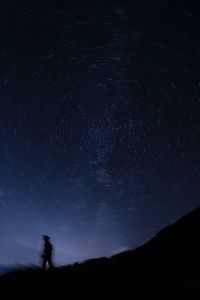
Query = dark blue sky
x=99 y=124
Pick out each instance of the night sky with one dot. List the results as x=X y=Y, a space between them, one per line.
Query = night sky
x=99 y=124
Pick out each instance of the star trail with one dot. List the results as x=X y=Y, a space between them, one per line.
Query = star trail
x=99 y=124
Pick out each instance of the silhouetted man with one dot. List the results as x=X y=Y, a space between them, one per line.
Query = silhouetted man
x=47 y=253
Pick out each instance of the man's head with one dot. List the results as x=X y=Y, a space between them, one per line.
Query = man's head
x=46 y=238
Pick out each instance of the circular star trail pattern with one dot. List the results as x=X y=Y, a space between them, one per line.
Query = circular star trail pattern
x=99 y=124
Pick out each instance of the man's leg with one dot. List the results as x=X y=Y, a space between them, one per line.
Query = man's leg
x=44 y=263
x=50 y=262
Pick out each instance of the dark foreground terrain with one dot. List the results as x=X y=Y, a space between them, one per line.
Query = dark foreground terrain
x=167 y=266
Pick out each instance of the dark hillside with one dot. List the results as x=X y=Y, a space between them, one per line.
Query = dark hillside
x=168 y=265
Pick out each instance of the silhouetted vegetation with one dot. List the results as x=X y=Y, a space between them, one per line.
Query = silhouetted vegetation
x=167 y=266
